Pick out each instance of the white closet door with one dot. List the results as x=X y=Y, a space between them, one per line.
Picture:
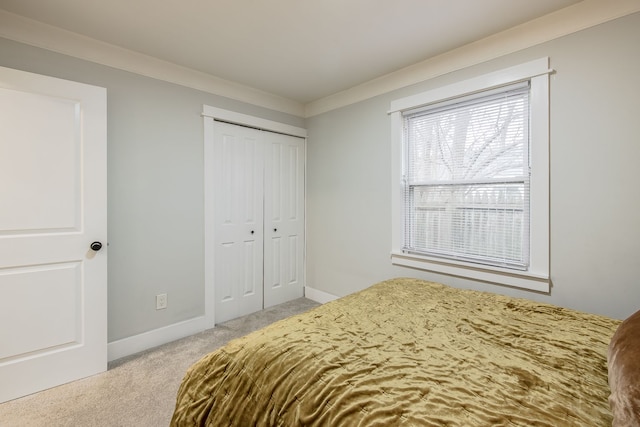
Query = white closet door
x=284 y=218
x=238 y=220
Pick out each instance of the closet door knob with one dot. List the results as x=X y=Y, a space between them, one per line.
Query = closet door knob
x=275 y=229
x=96 y=246
x=252 y=231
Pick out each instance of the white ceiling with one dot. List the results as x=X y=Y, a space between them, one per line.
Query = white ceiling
x=298 y=49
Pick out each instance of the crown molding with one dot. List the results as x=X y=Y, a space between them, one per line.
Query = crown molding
x=579 y=16
x=18 y=28
x=585 y=14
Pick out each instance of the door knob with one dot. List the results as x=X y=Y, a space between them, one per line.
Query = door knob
x=96 y=246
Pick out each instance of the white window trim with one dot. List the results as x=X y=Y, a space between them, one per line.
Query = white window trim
x=536 y=277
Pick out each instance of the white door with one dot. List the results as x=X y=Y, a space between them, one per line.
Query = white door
x=238 y=220
x=284 y=218
x=53 y=287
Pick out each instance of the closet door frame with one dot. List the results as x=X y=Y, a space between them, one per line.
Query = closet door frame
x=210 y=115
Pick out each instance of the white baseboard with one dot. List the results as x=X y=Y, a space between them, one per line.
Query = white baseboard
x=137 y=343
x=318 y=295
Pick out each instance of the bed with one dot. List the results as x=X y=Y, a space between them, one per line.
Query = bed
x=407 y=352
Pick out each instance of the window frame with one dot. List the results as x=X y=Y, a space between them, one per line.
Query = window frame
x=536 y=276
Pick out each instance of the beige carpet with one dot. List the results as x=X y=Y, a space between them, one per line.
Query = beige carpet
x=138 y=390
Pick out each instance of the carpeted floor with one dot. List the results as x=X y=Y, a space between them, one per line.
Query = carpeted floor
x=137 y=390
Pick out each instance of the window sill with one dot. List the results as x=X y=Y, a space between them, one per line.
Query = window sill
x=517 y=279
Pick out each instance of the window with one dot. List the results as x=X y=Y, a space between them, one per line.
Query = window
x=471 y=178
x=467 y=179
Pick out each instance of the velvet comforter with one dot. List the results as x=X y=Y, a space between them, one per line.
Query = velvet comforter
x=407 y=352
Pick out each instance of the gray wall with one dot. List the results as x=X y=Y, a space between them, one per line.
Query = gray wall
x=155 y=186
x=595 y=199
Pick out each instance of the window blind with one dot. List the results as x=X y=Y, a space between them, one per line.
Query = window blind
x=466 y=178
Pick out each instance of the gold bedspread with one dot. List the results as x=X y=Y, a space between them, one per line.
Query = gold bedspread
x=407 y=352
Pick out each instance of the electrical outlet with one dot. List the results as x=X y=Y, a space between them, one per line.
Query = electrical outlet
x=161 y=301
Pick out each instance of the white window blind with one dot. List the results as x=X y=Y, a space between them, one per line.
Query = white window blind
x=467 y=178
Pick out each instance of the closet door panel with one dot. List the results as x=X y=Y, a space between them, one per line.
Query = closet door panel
x=238 y=219
x=284 y=218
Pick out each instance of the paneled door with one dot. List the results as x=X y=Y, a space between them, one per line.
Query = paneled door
x=53 y=273
x=238 y=220
x=258 y=224
x=284 y=218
